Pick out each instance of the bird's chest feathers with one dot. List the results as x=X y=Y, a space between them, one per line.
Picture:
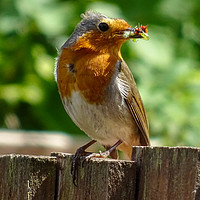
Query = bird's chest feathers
x=87 y=72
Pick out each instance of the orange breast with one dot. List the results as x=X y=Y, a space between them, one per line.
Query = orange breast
x=65 y=79
x=93 y=72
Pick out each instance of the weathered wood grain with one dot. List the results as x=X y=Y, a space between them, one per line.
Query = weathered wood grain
x=27 y=177
x=156 y=173
x=99 y=179
x=167 y=173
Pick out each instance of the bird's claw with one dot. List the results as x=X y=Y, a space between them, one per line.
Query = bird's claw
x=96 y=155
x=74 y=168
x=76 y=163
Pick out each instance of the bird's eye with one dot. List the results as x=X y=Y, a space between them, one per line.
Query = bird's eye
x=103 y=26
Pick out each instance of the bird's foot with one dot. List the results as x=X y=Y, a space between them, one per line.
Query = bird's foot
x=76 y=164
x=104 y=154
x=81 y=152
x=76 y=160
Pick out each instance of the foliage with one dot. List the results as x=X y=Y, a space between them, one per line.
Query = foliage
x=166 y=68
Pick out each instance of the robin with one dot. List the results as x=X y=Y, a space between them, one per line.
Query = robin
x=97 y=88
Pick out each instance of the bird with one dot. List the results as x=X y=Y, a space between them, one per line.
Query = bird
x=97 y=88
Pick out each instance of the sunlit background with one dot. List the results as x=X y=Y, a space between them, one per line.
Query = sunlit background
x=166 y=68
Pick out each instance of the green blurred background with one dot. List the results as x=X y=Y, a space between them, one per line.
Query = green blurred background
x=166 y=68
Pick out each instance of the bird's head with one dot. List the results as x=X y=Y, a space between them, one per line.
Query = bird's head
x=97 y=32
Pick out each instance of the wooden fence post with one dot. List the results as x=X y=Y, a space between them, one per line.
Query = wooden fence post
x=99 y=179
x=27 y=177
x=167 y=173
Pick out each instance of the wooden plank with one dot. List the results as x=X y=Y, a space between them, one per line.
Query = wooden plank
x=158 y=173
x=98 y=179
x=197 y=187
x=166 y=173
x=27 y=177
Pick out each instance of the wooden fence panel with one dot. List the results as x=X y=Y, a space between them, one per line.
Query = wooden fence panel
x=99 y=179
x=27 y=177
x=156 y=173
x=167 y=173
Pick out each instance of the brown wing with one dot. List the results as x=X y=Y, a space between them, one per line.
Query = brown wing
x=135 y=104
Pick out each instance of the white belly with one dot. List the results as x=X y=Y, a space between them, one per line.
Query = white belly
x=106 y=123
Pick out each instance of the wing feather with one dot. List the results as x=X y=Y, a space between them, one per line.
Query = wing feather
x=134 y=102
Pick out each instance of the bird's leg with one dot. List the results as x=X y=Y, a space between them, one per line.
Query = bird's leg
x=75 y=161
x=104 y=154
x=113 y=154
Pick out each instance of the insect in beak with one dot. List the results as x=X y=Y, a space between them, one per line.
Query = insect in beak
x=137 y=32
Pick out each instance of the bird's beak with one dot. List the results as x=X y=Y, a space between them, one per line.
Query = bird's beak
x=137 y=32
